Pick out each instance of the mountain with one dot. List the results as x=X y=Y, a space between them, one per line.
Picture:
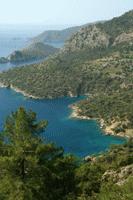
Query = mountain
x=34 y=51
x=43 y=45
x=87 y=37
x=56 y=36
x=103 y=35
x=96 y=60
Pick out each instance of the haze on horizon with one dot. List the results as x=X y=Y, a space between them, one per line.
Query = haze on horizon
x=61 y=12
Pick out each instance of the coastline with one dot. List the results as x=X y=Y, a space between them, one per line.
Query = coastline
x=3 y=86
x=25 y=94
x=75 y=113
x=107 y=129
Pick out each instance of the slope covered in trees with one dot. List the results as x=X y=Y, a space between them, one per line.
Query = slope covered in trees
x=34 y=51
x=31 y=169
x=96 y=60
x=82 y=64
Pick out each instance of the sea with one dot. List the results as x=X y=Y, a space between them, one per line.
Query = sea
x=78 y=137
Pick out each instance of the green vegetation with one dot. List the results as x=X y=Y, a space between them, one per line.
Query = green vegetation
x=97 y=60
x=74 y=74
x=56 y=36
x=112 y=107
x=31 y=169
x=34 y=51
x=118 y=25
x=104 y=35
x=3 y=60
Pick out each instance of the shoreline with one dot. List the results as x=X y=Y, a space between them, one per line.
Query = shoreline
x=107 y=129
x=2 y=85
x=75 y=114
x=23 y=92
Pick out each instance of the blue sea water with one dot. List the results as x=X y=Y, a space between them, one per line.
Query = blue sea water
x=80 y=137
x=16 y=37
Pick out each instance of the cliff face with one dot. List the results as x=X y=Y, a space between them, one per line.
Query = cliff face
x=102 y=35
x=88 y=37
x=124 y=37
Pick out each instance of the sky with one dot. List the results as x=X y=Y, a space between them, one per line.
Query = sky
x=59 y=12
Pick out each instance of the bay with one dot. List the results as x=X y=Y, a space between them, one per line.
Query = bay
x=79 y=137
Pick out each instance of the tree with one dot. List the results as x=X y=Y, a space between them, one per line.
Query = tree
x=30 y=168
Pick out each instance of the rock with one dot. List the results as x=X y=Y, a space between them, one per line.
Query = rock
x=124 y=37
x=90 y=159
x=120 y=176
x=88 y=37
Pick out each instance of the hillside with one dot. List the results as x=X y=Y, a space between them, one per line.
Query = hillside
x=56 y=36
x=33 y=169
x=59 y=36
x=96 y=60
x=103 y=35
x=34 y=51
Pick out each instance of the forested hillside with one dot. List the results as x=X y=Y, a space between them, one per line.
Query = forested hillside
x=34 y=51
x=32 y=169
x=97 y=60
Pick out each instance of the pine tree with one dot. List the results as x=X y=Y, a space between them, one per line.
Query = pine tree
x=29 y=168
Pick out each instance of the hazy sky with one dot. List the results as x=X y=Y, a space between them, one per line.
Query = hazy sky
x=58 y=12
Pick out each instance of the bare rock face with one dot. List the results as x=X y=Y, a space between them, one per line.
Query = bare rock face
x=124 y=37
x=88 y=37
x=119 y=177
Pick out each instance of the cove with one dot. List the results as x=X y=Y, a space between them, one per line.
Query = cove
x=79 y=137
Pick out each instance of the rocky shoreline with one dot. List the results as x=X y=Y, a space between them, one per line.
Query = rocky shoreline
x=2 y=85
x=75 y=113
x=107 y=129
x=23 y=92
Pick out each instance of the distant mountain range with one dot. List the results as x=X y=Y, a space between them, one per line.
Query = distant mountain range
x=97 y=60
x=56 y=35
x=39 y=47
x=43 y=45
x=59 y=36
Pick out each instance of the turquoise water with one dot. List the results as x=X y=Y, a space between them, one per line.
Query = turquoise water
x=80 y=137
